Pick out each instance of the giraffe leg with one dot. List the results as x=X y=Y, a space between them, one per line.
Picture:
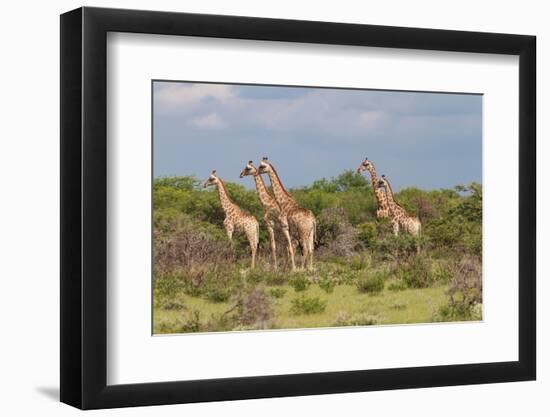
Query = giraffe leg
x=305 y=251
x=311 y=242
x=290 y=248
x=273 y=244
x=395 y=224
x=252 y=234
x=253 y=249
x=228 y=229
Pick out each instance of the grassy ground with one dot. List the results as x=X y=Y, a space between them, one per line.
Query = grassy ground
x=344 y=306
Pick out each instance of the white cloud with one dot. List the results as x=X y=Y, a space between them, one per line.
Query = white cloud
x=181 y=96
x=372 y=119
x=210 y=121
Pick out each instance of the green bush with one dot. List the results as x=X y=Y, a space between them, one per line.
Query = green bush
x=360 y=262
x=367 y=233
x=416 y=273
x=277 y=292
x=217 y=294
x=460 y=227
x=399 y=248
x=335 y=234
x=358 y=319
x=300 y=283
x=327 y=284
x=167 y=285
x=397 y=285
x=308 y=305
x=255 y=308
x=172 y=305
x=372 y=283
x=465 y=292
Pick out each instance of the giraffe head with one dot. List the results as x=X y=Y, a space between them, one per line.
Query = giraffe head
x=249 y=169
x=212 y=179
x=265 y=167
x=383 y=182
x=366 y=164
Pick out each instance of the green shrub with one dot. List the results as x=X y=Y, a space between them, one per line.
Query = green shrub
x=335 y=233
x=397 y=285
x=216 y=285
x=187 y=323
x=300 y=283
x=217 y=294
x=172 y=305
x=167 y=285
x=367 y=233
x=372 y=283
x=416 y=273
x=275 y=277
x=255 y=308
x=308 y=305
x=442 y=272
x=360 y=262
x=359 y=319
x=465 y=292
x=327 y=285
x=277 y=292
x=399 y=248
x=458 y=312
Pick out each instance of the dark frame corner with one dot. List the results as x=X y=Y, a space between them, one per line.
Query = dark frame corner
x=83 y=207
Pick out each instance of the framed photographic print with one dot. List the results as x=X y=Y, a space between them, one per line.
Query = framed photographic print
x=258 y=207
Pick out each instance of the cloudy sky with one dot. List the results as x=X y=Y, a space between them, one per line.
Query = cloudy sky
x=417 y=139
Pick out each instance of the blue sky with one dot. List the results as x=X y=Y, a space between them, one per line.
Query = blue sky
x=427 y=140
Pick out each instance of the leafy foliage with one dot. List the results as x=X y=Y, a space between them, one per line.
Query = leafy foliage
x=308 y=305
x=372 y=283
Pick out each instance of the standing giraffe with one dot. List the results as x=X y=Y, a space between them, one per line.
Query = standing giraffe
x=236 y=219
x=300 y=220
x=272 y=211
x=399 y=217
x=383 y=207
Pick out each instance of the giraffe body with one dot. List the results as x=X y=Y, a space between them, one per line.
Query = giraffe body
x=383 y=210
x=236 y=219
x=399 y=218
x=294 y=219
x=272 y=211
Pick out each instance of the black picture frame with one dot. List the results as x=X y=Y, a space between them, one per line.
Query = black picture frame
x=84 y=207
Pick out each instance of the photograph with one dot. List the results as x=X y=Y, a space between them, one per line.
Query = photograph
x=295 y=207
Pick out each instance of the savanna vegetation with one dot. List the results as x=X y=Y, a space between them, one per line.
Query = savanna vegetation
x=363 y=275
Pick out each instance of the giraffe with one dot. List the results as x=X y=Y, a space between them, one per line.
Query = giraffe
x=399 y=217
x=272 y=211
x=236 y=219
x=383 y=207
x=300 y=220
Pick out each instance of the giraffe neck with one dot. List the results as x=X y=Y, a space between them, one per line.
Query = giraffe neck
x=263 y=194
x=389 y=192
x=381 y=198
x=378 y=193
x=227 y=205
x=394 y=206
x=373 y=176
x=281 y=194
